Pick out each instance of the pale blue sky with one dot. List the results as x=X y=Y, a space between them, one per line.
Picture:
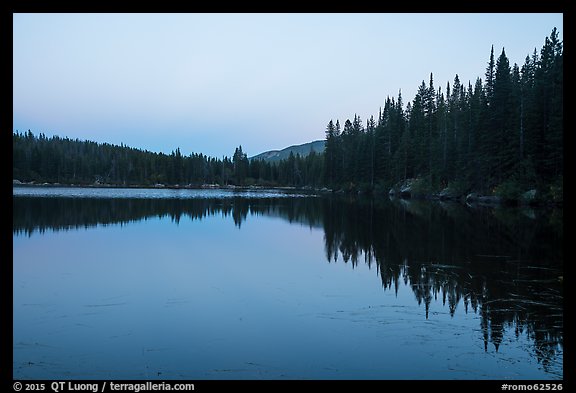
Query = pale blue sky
x=210 y=82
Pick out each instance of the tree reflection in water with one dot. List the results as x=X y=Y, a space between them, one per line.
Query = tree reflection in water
x=504 y=264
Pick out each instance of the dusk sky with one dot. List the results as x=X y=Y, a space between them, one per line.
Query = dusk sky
x=209 y=82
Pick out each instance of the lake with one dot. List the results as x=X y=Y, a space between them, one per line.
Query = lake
x=217 y=284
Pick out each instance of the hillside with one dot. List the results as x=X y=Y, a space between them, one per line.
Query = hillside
x=303 y=150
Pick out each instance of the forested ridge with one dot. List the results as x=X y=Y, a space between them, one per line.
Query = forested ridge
x=501 y=135
x=40 y=159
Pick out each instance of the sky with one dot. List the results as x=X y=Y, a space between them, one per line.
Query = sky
x=208 y=83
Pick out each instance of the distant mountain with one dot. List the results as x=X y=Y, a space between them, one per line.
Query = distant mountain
x=303 y=150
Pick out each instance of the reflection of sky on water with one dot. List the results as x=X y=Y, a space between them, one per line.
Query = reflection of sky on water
x=150 y=193
x=207 y=299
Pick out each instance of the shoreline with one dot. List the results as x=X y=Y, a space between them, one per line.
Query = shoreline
x=317 y=191
x=163 y=186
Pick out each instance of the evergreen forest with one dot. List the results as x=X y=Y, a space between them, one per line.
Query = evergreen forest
x=501 y=135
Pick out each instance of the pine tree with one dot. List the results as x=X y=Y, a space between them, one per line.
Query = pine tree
x=348 y=153
x=453 y=138
x=330 y=154
x=430 y=117
x=240 y=165
x=369 y=148
x=502 y=119
x=490 y=76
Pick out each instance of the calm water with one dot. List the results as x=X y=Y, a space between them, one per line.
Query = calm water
x=185 y=284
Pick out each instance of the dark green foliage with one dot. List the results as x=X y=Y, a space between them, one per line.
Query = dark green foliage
x=509 y=190
x=65 y=161
x=331 y=153
x=241 y=166
x=505 y=135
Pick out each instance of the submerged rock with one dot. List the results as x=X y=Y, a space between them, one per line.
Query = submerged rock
x=406 y=189
x=529 y=197
x=448 y=193
x=402 y=189
x=483 y=199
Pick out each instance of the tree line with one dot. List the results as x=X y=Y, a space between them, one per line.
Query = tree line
x=503 y=135
x=41 y=159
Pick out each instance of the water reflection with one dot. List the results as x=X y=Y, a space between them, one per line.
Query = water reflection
x=32 y=214
x=504 y=265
